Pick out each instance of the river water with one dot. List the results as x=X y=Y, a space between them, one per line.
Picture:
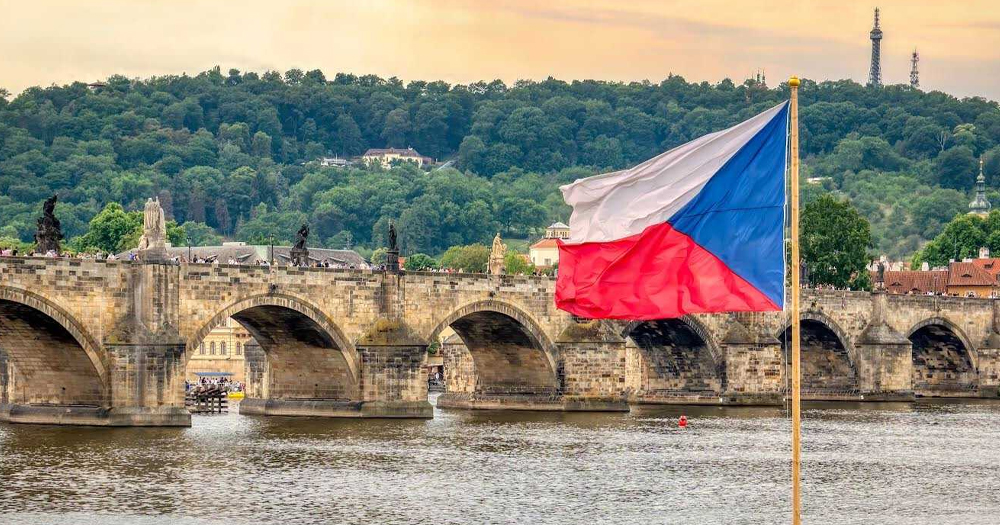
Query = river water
x=933 y=463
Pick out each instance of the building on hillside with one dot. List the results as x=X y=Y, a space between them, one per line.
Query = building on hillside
x=335 y=162
x=557 y=230
x=220 y=354
x=386 y=157
x=545 y=253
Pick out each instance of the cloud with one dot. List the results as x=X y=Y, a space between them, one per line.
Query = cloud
x=59 y=41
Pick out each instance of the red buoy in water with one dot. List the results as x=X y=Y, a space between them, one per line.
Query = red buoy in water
x=683 y=422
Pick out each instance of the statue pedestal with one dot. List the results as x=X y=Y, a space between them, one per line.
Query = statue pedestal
x=392 y=261
x=300 y=256
x=154 y=255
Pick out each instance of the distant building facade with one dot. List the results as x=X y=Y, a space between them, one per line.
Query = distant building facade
x=386 y=157
x=221 y=353
x=545 y=253
x=335 y=162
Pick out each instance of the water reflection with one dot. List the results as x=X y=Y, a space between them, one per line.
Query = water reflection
x=930 y=462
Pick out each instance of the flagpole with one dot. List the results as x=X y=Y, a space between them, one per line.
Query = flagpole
x=793 y=83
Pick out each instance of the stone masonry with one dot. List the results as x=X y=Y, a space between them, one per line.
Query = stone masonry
x=107 y=342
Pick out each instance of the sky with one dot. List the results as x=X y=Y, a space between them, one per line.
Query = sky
x=44 y=42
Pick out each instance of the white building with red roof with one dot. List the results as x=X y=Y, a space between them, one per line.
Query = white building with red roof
x=545 y=253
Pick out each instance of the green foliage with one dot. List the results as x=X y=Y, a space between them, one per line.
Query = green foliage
x=515 y=264
x=420 y=261
x=233 y=152
x=111 y=230
x=176 y=234
x=14 y=243
x=961 y=239
x=472 y=258
x=834 y=244
x=200 y=234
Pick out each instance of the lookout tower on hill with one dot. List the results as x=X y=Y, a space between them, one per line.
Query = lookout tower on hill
x=875 y=74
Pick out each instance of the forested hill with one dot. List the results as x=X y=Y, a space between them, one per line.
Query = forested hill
x=234 y=152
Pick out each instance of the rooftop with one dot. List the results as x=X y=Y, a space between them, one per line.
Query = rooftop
x=917 y=282
x=969 y=274
x=548 y=242
x=408 y=152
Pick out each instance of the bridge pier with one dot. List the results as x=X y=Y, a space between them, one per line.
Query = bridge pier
x=988 y=357
x=392 y=381
x=883 y=358
x=4 y=378
x=593 y=368
x=147 y=385
x=754 y=373
x=589 y=375
x=989 y=371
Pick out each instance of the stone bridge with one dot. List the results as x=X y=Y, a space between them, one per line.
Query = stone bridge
x=106 y=343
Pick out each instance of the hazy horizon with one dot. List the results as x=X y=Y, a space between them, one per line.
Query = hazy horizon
x=461 y=41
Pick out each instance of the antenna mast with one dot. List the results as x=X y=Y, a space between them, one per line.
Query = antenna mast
x=875 y=75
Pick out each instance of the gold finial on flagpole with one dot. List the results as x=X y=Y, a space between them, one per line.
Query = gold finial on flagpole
x=793 y=267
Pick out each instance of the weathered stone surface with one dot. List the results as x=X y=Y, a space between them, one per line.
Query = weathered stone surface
x=115 y=337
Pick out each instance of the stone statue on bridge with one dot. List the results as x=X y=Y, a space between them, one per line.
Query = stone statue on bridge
x=392 y=254
x=154 y=227
x=299 y=253
x=497 y=253
x=49 y=231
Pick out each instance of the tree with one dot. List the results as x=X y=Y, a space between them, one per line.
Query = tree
x=472 y=258
x=834 y=243
x=200 y=234
x=349 y=140
x=902 y=157
x=957 y=168
x=379 y=256
x=961 y=238
x=396 y=128
x=113 y=230
x=516 y=264
x=420 y=261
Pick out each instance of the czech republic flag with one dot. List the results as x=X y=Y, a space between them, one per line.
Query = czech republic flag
x=698 y=229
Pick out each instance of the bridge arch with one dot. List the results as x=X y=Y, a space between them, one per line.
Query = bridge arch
x=829 y=359
x=671 y=357
x=306 y=355
x=944 y=358
x=55 y=358
x=506 y=351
